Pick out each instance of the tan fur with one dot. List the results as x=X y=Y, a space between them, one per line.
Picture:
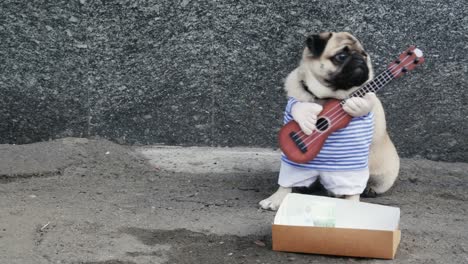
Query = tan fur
x=384 y=162
x=315 y=70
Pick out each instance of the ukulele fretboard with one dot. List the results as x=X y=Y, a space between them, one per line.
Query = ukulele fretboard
x=373 y=86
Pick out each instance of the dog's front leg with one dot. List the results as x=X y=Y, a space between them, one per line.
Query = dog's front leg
x=352 y=197
x=274 y=201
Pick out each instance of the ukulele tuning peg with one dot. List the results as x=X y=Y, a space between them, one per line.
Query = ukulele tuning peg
x=418 y=53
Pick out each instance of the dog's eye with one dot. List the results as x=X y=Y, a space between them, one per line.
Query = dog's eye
x=340 y=57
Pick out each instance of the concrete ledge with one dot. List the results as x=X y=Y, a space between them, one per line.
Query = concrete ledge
x=211 y=160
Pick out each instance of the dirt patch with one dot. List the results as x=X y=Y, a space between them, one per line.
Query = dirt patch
x=64 y=156
x=195 y=247
x=107 y=262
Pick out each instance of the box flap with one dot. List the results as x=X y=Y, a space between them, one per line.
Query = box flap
x=311 y=210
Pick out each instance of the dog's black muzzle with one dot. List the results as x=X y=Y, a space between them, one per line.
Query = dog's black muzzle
x=353 y=72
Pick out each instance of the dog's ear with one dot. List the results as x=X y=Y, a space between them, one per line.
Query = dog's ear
x=317 y=43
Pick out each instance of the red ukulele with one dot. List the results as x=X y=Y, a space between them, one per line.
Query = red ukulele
x=302 y=148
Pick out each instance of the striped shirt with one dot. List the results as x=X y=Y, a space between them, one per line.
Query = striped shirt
x=345 y=149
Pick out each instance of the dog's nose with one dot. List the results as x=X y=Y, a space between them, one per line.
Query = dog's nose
x=359 y=70
x=360 y=74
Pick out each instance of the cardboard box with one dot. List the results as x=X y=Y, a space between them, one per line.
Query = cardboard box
x=331 y=226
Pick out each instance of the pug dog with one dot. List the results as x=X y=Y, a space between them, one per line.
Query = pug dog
x=334 y=65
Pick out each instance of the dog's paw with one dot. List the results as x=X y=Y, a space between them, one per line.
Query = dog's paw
x=269 y=204
x=274 y=201
x=357 y=106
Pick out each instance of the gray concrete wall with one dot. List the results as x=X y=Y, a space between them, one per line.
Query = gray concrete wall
x=211 y=72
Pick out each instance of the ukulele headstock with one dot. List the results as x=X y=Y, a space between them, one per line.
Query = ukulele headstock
x=407 y=61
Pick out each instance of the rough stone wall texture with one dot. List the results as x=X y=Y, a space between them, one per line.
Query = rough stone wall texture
x=211 y=72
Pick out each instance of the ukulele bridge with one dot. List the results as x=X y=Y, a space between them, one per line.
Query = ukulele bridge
x=295 y=137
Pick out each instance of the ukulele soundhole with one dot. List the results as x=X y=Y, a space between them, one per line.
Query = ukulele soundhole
x=322 y=124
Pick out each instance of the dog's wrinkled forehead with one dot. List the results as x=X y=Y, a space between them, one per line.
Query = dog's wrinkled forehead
x=340 y=40
x=328 y=43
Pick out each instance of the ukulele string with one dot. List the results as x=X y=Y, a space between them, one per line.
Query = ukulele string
x=335 y=118
x=337 y=107
x=376 y=79
x=372 y=86
x=343 y=116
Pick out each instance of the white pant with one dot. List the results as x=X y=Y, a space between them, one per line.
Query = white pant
x=337 y=182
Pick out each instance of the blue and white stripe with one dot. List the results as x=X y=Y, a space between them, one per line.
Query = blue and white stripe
x=345 y=149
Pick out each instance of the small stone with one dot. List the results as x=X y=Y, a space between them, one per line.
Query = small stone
x=81 y=46
x=73 y=19
x=184 y=3
x=413 y=180
x=259 y=243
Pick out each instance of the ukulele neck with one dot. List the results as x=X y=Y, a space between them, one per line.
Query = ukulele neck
x=373 y=86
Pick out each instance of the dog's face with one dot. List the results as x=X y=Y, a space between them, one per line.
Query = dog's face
x=337 y=60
